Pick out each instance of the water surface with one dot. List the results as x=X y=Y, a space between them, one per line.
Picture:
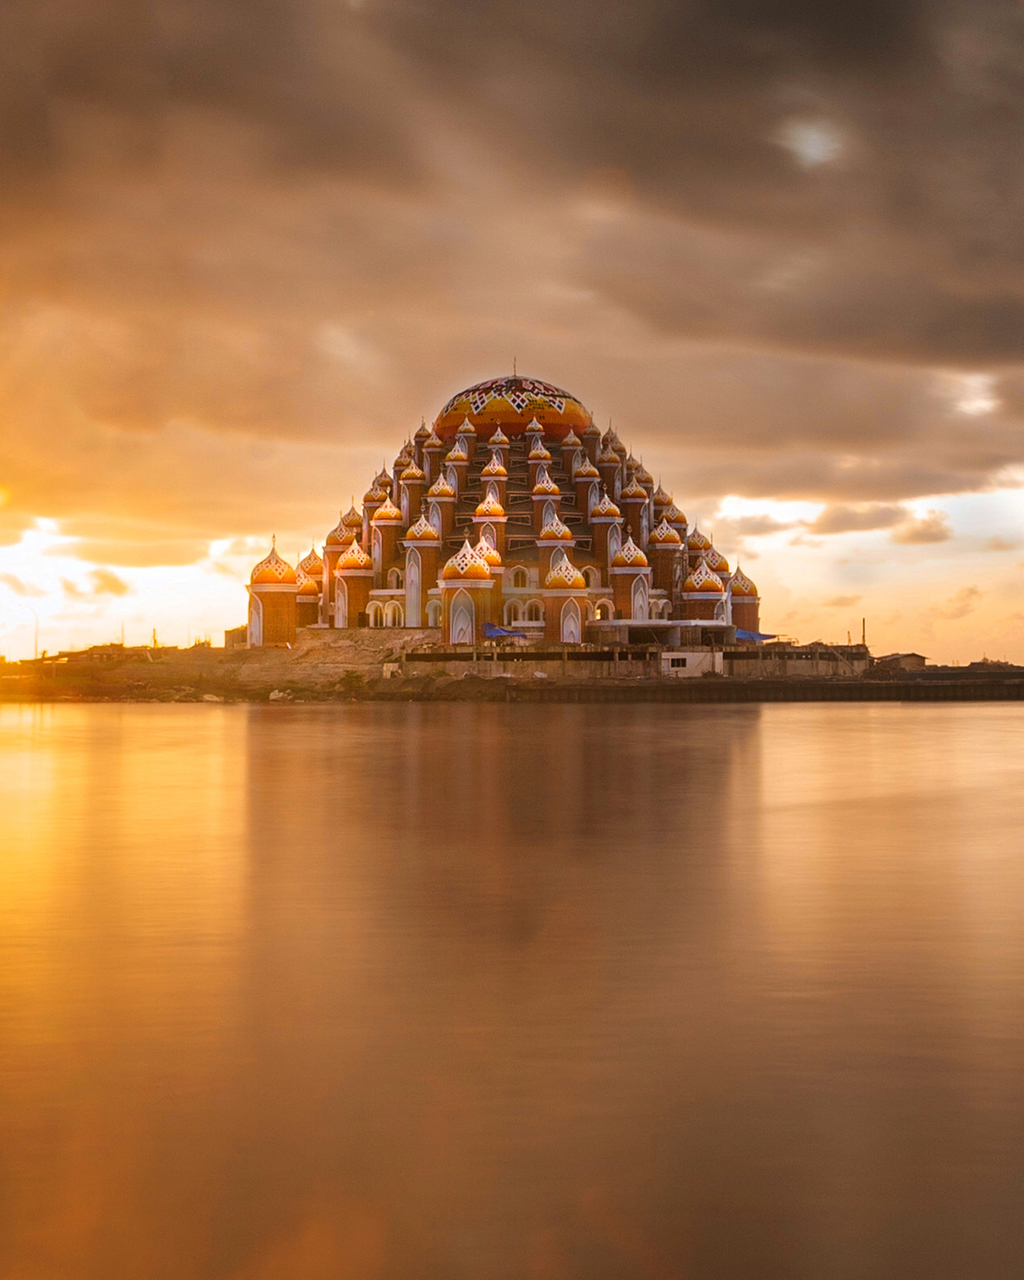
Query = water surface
x=458 y=991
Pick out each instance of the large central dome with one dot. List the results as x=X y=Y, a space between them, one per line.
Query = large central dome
x=512 y=403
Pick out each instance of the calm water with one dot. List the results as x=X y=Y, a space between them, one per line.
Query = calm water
x=459 y=992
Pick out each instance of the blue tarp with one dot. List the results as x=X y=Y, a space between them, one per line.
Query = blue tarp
x=753 y=635
x=493 y=632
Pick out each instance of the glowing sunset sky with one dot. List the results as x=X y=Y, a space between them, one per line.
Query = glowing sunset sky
x=780 y=245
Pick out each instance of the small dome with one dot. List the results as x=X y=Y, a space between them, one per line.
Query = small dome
x=716 y=561
x=697 y=541
x=591 y=431
x=634 y=490
x=586 y=470
x=273 y=571
x=352 y=519
x=381 y=480
x=572 y=440
x=629 y=556
x=564 y=576
x=532 y=426
x=702 y=579
x=412 y=472
x=495 y=467
x=441 y=488
x=665 y=535
x=538 y=453
x=307 y=586
x=544 y=482
x=661 y=498
x=422 y=531
x=741 y=584
x=488 y=553
x=339 y=534
x=466 y=428
x=608 y=454
x=458 y=452
x=605 y=507
x=433 y=440
x=673 y=515
x=490 y=506
x=555 y=531
x=499 y=438
x=466 y=565
x=313 y=565
x=385 y=512
x=354 y=558
x=423 y=432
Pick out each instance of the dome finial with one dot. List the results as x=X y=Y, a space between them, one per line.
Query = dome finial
x=515 y=371
x=273 y=541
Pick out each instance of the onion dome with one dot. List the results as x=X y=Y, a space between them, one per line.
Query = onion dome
x=488 y=553
x=273 y=571
x=643 y=475
x=619 y=447
x=555 y=531
x=702 y=579
x=385 y=512
x=608 y=454
x=466 y=564
x=605 y=507
x=673 y=515
x=606 y=439
x=352 y=519
x=632 y=463
x=697 y=541
x=665 y=536
x=629 y=556
x=490 y=506
x=422 y=531
x=412 y=472
x=423 y=432
x=634 y=490
x=401 y=462
x=591 y=431
x=570 y=440
x=716 y=561
x=495 y=467
x=586 y=470
x=564 y=576
x=741 y=584
x=441 y=488
x=533 y=426
x=499 y=438
x=662 y=498
x=544 y=482
x=381 y=480
x=374 y=493
x=538 y=453
x=307 y=586
x=433 y=440
x=466 y=428
x=458 y=452
x=354 y=558
x=312 y=565
x=340 y=533
x=516 y=405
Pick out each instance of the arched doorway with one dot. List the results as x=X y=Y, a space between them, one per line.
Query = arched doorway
x=462 y=624
x=572 y=627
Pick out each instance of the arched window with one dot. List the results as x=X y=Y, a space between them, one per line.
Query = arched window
x=513 y=612
x=550 y=511
x=593 y=497
x=592 y=577
x=394 y=580
x=412 y=586
x=434 y=517
x=405 y=504
x=375 y=615
x=571 y=626
x=487 y=532
x=433 y=613
x=614 y=541
x=377 y=552
x=645 y=527
x=534 y=611
x=640 y=598
x=453 y=478
x=520 y=577
x=254 y=635
x=605 y=611
x=394 y=615
x=462 y=622
x=341 y=603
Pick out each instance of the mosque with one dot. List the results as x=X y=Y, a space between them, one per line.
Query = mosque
x=512 y=511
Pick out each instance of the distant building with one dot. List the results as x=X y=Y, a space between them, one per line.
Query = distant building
x=512 y=509
x=902 y=661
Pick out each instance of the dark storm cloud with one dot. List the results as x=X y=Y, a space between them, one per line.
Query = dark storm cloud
x=751 y=230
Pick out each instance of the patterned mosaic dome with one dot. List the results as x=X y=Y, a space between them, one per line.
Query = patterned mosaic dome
x=466 y=564
x=273 y=571
x=741 y=585
x=511 y=404
x=703 y=580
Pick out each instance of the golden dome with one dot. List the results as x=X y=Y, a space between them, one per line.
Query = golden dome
x=555 y=531
x=716 y=561
x=608 y=454
x=466 y=428
x=586 y=471
x=352 y=518
x=571 y=441
x=697 y=541
x=605 y=507
x=412 y=472
x=307 y=586
x=634 y=490
x=673 y=515
x=490 y=506
x=339 y=534
x=423 y=432
x=538 y=453
x=376 y=493
x=313 y=565
x=544 y=482
x=488 y=553
x=702 y=579
x=513 y=404
x=629 y=556
x=422 y=531
x=433 y=440
x=592 y=430
x=354 y=558
x=273 y=571
x=662 y=498
x=495 y=467
x=466 y=565
x=665 y=535
x=441 y=488
x=386 y=511
x=499 y=438
x=458 y=452
x=564 y=576
x=741 y=584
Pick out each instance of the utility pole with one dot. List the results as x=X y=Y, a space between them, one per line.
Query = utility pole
x=864 y=632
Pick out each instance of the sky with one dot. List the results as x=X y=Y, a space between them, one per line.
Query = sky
x=245 y=246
